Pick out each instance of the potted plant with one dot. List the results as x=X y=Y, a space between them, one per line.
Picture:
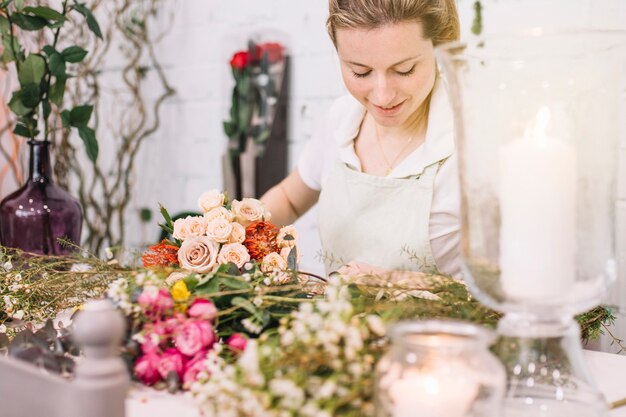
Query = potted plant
x=35 y=216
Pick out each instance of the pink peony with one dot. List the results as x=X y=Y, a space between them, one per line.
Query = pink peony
x=171 y=360
x=146 y=369
x=151 y=343
x=237 y=342
x=194 y=367
x=155 y=300
x=202 y=308
x=193 y=336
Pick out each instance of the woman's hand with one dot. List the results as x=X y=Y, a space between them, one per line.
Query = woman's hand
x=354 y=269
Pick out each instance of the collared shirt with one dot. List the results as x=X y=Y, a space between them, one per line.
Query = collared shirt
x=334 y=140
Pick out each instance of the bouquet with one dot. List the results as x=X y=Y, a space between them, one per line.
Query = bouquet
x=233 y=233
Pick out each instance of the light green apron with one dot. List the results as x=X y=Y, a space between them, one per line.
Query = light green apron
x=380 y=221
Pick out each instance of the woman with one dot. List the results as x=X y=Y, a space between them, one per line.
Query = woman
x=381 y=165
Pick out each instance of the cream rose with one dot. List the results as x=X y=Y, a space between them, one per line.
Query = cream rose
x=249 y=210
x=235 y=253
x=210 y=200
x=218 y=213
x=189 y=226
x=238 y=235
x=198 y=254
x=287 y=231
x=273 y=262
x=219 y=230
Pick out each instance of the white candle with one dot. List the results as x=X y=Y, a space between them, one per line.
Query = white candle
x=538 y=204
x=447 y=391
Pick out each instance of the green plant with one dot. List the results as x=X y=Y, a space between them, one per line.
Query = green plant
x=43 y=74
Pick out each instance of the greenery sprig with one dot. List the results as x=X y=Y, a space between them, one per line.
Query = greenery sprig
x=43 y=75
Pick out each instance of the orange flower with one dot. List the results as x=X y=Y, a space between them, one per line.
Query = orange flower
x=261 y=239
x=161 y=254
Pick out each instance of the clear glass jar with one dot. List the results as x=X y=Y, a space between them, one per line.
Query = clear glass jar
x=439 y=369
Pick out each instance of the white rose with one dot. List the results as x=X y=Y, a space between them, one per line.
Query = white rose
x=198 y=254
x=273 y=262
x=287 y=231
x=181 y=229
x=238 y=235
x=249 y=210
x=219 y=230
x=235 y=253
x=218 y=213
x=210 y=200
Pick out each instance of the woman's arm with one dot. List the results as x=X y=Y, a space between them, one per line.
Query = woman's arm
x=290 y=199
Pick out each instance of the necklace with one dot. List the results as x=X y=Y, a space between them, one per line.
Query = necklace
x=392 y=164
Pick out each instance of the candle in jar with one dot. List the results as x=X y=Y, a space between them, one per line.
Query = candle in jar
x=446 y=391
x=538 y=204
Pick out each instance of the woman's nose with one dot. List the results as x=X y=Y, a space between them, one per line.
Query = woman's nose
x=383 y=92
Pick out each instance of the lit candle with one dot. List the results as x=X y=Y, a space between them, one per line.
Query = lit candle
x=447 y=391
x=538 y=204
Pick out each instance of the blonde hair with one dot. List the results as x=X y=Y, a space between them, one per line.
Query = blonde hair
x=439 y=18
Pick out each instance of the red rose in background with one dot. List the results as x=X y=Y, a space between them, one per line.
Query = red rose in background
x=240 y=60
x=274 y=52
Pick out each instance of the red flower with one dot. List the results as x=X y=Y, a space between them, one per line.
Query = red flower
x=274 y=52
x=161 y=254
x=240 y=60
x=261 y=239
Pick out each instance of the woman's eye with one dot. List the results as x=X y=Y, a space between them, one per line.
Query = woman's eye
x=361 y=74
x=406 y=73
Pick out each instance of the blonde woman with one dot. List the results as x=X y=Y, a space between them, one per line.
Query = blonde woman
x=381 y=164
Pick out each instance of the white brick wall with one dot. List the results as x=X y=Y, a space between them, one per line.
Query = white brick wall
x=204 y=33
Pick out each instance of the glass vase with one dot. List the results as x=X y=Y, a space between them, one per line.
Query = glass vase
x=34 y=217
x=537 y=125
x=439 y=369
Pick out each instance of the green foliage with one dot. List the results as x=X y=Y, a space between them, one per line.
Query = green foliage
x=43 y=76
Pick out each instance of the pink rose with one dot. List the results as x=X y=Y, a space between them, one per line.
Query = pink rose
x=193 y=336
x=237 y=342
x=202 y=308
x=155 y=300
x=194 y=367
x=146 y=369
x=171 y=360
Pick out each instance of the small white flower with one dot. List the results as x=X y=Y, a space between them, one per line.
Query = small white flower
x=3 y=328
x=7 y=266
x=109 y=253
x=19 y=315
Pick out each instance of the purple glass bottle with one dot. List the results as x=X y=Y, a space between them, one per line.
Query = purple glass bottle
x=40 y=212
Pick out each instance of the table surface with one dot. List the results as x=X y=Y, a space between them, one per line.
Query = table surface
x=607 y=369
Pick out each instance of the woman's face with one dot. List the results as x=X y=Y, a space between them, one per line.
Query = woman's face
x=390 y=69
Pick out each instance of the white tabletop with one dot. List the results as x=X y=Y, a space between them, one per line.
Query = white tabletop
x=608 y=370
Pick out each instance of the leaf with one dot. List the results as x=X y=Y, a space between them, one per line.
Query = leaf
x=30 y=95
x=230 y=128
x=19 y=4
x=32 y=70
x=8 y=55
x=57 y=64
x=5 y=27
x=245 y=304
x=57 y=91
x=191 y=282
x=91 y=143
x=92 y=23
x=292 y=259
x=45 y=12
x=21 y=130
x=73 y=54
x=16 y=105
x=234 y=283
x=167 y=217
x=27 y=22
x=65 y=118
x=80 y=115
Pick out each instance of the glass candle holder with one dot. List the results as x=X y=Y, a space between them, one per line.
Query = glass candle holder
x=439 y=369
x=537 y=127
